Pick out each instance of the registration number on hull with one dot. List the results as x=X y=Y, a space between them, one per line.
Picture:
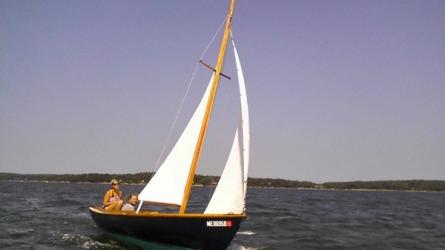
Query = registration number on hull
x=219 y=223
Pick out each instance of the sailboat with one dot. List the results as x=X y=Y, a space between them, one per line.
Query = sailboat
x=171 y=184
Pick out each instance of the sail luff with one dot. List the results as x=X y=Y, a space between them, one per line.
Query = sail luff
x=209 y=107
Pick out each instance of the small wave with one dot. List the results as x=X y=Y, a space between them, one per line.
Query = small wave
x=96 y=244
x=80 y=215
x=82 y=241
x=63 y=203
x=33 y=202
x=240 y=247
x=4 y=194
x=20 y=230
x=286 y=217
x=19 y=233
x=246 y=233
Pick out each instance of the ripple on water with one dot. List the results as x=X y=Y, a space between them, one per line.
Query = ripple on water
x=245 y=233
x=78 y=240
x=80 y=216
x=63 y=203
x=13 y=237
x=33 y=203
x=16 y=233
x=240 y=247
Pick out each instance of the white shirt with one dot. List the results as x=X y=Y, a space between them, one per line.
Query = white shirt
x=127 y=207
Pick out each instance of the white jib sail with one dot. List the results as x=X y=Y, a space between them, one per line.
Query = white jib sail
x=230 y=193
x=168 y=184
x=228 y=197
x=244 y=117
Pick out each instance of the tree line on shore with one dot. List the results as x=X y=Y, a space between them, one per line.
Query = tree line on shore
x=413 y=185
x=207 y=180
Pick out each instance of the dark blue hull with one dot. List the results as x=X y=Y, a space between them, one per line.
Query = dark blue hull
x=197 y=231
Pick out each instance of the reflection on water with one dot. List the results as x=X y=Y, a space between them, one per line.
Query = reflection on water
x=132 y=242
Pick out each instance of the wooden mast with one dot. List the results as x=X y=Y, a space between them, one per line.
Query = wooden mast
x=209 y=107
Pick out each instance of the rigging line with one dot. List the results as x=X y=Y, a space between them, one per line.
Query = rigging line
x=176 y=117
x=185 y=95
x=213 y=38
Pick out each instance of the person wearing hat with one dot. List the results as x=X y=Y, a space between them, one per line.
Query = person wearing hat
x=112 y=198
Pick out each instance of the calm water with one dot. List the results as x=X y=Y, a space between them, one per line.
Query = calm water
x=55 y=216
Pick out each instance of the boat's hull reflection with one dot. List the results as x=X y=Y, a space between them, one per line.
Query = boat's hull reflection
x=136 y=243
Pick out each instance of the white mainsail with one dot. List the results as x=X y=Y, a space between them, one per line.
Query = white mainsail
x=168 y=184
x=230 y=193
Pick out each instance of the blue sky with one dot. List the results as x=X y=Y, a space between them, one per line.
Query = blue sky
x=338 y=90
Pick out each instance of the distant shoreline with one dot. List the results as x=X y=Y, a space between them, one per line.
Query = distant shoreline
x=259 y=187
x=204 y=180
